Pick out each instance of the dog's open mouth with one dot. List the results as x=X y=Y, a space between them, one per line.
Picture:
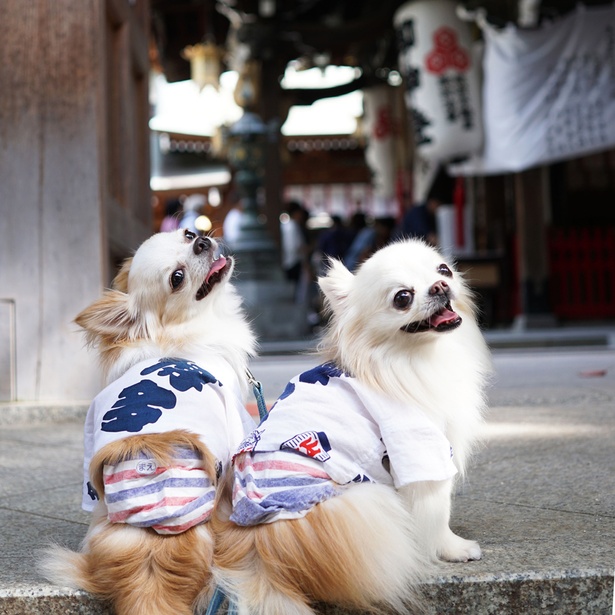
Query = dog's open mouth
x=217 y=271
x=445 y=319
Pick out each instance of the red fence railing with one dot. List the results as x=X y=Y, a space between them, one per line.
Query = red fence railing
x=582 y=263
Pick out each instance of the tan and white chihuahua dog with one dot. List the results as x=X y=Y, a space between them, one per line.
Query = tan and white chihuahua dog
x=174 y=346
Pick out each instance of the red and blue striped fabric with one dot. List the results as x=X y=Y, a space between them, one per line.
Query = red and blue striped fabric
x=170 y=499
x=281 y=485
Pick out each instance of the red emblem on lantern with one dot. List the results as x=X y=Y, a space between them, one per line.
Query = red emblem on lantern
x=447 y=53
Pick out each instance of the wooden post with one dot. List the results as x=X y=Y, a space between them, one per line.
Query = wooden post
x=532 y=202
x=59 y=200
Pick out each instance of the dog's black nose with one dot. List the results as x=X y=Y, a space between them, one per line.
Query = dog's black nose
x=201 y=244
x=439 y=288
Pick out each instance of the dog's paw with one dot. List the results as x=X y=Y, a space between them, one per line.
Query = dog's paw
x=457 y=549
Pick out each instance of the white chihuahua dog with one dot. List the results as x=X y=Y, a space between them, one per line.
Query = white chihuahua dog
x=343 y=493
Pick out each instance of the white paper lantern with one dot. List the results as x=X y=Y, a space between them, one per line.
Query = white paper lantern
x=442 y=77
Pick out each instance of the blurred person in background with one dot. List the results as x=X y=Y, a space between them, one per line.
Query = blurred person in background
x=333 y=243
x=192 y=210
x=369 y=239
x=172 y=215
x=295 y=246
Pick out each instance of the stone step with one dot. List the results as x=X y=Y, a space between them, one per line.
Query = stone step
x=564 y=593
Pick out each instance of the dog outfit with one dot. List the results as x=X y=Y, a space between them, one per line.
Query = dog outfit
x=157 y=396
x=326 y=430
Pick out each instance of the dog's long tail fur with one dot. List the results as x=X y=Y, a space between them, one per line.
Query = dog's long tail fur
x=356 y=549
x=138 y=570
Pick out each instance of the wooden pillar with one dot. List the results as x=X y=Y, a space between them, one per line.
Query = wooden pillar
x=58 y=212
x=269 y=111
x=532 y=206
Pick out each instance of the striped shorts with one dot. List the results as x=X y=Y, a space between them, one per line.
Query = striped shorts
x=279 y=485
x=170 y=499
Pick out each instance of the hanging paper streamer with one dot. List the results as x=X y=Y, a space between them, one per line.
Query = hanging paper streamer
x=442 y=78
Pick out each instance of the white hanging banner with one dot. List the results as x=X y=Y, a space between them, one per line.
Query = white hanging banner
x=549 y=94
x=443 y=79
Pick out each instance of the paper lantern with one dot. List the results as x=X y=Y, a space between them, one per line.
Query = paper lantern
x=442 y=79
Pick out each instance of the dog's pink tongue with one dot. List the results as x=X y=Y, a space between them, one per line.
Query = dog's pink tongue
x=216 y=266
x=443 y=317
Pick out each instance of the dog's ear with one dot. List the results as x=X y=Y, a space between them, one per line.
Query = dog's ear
x=120 y=281
x=111 y=317
x=336 y=284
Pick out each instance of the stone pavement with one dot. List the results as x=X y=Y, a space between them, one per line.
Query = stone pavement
x=540 y=495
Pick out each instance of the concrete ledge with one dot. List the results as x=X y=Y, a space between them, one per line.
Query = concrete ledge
x=35 y=413
x=49 y=601
x=555 y=593
x=550 y=338
x=572 y=592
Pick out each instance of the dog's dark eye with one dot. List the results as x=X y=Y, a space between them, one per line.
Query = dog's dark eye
x=177 y=277
x=189 y=235
x=403 y=299
x=444 y=270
